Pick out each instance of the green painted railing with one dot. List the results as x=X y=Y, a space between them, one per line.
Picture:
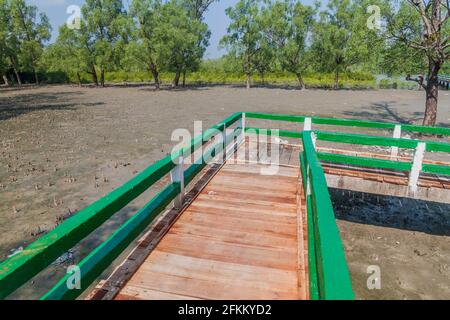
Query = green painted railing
x=349 y=123
x=358 y=139
x=329 y=275
x=328 y=272
x=20 y=268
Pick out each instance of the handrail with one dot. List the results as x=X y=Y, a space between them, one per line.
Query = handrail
x=347 y=138
x=98 y=260
x=333 y=277
x=349 y=123
x=328 y=272
x=351 y=138
x=18 y=269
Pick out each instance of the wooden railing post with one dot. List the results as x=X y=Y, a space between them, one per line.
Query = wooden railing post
x=417 y=166
x=307 y=125
x=242 y=125
x=177 y=176
x=397 y=135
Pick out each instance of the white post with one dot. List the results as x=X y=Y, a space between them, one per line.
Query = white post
x=242 y=124
x=307 y=126
x=177 y=176
x=417 y=166
x=397 y=135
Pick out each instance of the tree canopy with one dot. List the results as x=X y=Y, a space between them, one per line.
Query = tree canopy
x=390 y=37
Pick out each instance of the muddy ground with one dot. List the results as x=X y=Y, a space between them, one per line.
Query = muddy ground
x=63 y=147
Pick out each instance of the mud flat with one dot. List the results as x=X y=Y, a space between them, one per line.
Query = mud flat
x=63 y=147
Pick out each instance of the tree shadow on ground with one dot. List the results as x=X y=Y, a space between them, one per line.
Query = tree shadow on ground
x=391 y=212
x=14 y=106
x=384 y=111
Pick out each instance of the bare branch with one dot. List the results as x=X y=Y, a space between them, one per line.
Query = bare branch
x=420 y=6
x=419 y=80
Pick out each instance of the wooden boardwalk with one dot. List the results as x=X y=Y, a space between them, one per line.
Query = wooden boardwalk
x=241 y=238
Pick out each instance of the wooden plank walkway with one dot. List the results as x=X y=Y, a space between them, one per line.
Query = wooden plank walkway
x=241 y=238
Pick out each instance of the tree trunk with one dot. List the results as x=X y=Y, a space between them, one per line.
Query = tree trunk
x=79 y=78
x=301 y=83
x=155 y=75
x=184 y=78
x=336 y=79
x=94 y=76
x=176 y=80
x=36 y=77
x=14 y=65
x=5 y=79
x=248 y=81
x=102 y=77
x=19 y=81
x=432 y=91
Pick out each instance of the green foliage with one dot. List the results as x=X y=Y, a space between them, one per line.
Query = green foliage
x=23 y=33
x=3 y=38
x=244 y=40
x=277 y=41
x=106 y=25
x=397 y=57
x=287 y=25
x=341 y=38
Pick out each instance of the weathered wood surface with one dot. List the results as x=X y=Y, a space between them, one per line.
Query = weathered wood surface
x=241 y=238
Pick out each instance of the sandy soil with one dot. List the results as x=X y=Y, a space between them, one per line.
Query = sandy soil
x=63 y=147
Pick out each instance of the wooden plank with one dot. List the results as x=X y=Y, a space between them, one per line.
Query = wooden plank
x=280 y=215
x=108 y=289
x=206 y=289
x=258 y=186
x=236 y=235
x=215 y=192
x=139 y=293
x=259 y=192
x=237 y=240
x=227 y=273
x=282 y=171
x=198 y=217
x=228 y=252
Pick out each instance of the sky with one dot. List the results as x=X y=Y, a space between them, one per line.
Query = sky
x=216 y=19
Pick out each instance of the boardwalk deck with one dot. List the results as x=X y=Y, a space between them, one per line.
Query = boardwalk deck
x=241 y=238
x=239 y=234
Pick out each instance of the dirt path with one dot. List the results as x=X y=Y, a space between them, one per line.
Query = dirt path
x=63 y=147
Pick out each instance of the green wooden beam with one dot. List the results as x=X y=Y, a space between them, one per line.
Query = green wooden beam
x=275 y=117
x=96 y=262
x=99 y=259
x=364 y=162
x=366 y=140
x=332 y=269
x=18 y=269
x=436 y=169
x=314 y=293
x=272 y=132
x=437 y=146
x=350 y=123
x=312 y=259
